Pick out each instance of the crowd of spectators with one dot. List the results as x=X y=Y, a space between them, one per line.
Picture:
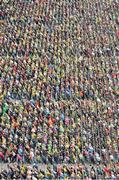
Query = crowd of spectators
x=59 y=88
